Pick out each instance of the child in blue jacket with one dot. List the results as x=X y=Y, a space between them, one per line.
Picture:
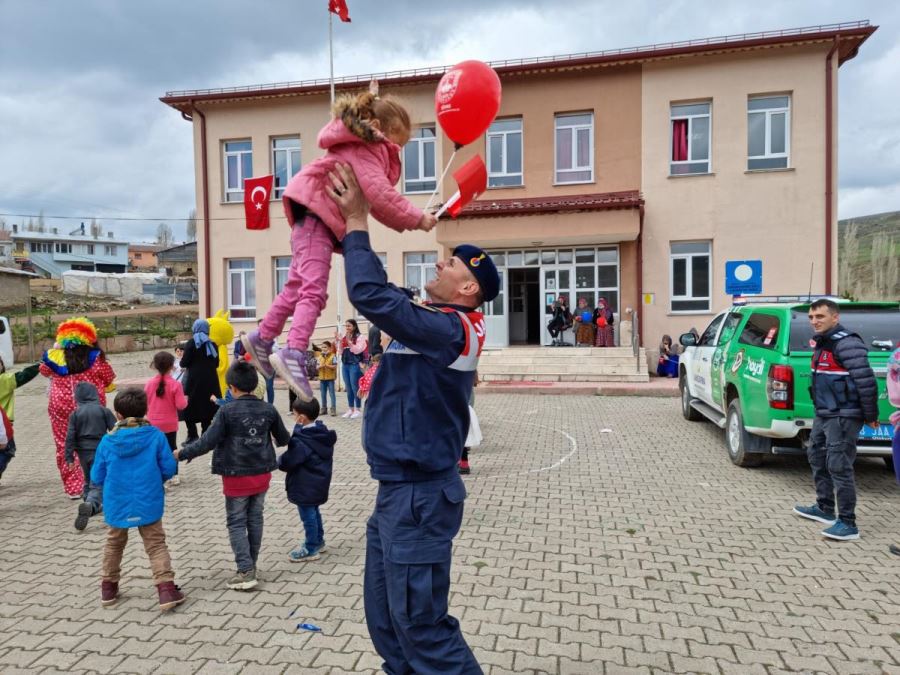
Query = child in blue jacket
x=131 y=464
x=308 y=462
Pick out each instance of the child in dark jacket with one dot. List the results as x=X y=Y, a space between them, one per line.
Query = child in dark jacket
x=241 y=436
x=87 y=427
x=133 y=461
x=308 y=463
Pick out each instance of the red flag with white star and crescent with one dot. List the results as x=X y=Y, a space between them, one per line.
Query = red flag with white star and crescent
x=339 y=7
x=256 y=201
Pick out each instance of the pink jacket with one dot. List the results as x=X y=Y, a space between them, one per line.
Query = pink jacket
x=377 y=168
x=162 y=411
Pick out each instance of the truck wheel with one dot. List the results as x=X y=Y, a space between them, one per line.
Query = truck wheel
x=687 y=411
x=737 y=440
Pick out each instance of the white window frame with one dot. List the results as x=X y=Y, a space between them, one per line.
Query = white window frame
x=769 y=112
x=89 y=249
x=422 y=266
x=109 y=250
x=383 y=259
x=279 y=267
x=292 y=153
x=63 y=247
x=690 y=119
x=243 y=272
x=575 y=166
x=235 y=195
x=40 y=247
x=487 y=150
x=423 y=177
x=689 y=278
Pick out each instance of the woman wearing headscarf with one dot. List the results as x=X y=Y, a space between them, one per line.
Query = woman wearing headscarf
x=668 y=358
x=603 y=320
x=76 y=357
x=200 y=360
x=584 y=334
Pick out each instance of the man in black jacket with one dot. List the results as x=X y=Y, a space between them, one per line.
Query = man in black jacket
x=845 y=396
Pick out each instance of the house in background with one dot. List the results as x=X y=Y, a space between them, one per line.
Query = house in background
x=142 y=257
x=5 y=247
x=49 y=254
x=179 y=261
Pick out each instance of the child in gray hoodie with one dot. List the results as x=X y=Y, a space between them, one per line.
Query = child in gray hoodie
x=87 y=426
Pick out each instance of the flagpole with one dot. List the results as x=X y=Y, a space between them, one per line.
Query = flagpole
x=339 y=282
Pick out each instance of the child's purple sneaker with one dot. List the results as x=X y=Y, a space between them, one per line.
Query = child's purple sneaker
x=290 y=364
x=260 y=352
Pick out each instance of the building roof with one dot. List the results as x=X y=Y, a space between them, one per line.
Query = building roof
x=20 y=273
x=144 y=248
x=598 y=201
x=847 y=36
x=78 y=238
x=5 y=235
x=178 y=247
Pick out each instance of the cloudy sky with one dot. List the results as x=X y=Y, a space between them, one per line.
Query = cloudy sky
x=83 y=134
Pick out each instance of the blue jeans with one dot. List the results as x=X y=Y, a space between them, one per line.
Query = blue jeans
x=90 y=493
x=244 y=517
x=270 y=390
x=326 y=387
x=352 y=373
x=312 y=525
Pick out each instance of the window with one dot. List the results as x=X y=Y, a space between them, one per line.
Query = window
x=382 y=257
x=761 y=331
x=575 y=148
x=285 y=162
x=728 y=328
x=419 y=161
x=690 y=276
x=768 y=132
x=40 y=247
x=709 y=335
x=89 y=249
x=241 y=288
x=63 y=247
x=504 y=153
x=137 y=256
x=420 y=269
x=690 y=139
x=238 y=166
x=281 y=266
x=109 y=249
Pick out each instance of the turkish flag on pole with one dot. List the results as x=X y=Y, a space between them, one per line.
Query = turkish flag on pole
x=256 y=201
x=471 y=178
x=339 y=7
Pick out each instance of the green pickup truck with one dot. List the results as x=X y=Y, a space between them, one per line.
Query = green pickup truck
x=750 y=374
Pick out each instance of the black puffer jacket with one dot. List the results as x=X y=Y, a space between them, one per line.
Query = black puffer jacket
x=308 y=463
x=89 y=423
x=843 y=384
x=241 y=434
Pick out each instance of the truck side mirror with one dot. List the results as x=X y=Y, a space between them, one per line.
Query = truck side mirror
x=688 y=340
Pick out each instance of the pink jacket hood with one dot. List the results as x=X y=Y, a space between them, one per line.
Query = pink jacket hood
x=377 y=168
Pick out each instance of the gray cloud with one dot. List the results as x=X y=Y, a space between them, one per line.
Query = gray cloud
x=82 y=132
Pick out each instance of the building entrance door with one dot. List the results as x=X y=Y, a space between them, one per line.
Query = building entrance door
x=556 y=282
x=524 y=307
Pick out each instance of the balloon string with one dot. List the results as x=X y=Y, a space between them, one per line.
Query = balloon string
x=441 y=180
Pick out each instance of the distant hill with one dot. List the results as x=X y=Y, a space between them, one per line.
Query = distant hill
x=869 y=256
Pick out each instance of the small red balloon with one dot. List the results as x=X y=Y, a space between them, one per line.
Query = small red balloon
x=467 y=100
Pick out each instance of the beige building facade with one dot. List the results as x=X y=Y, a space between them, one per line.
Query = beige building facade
x=633 y=176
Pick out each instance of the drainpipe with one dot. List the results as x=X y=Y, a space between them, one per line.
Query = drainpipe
x=639 y=310
x=206 y=238
x=829 y=155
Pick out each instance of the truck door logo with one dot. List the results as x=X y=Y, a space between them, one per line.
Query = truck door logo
x=738 y=361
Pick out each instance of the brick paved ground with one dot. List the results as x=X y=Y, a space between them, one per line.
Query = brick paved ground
x=636 y=550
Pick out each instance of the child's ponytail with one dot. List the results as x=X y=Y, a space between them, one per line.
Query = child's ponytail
x=163 y=363
x=357 y=111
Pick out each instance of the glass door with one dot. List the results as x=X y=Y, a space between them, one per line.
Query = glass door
x=496 y=317
x=556 y=284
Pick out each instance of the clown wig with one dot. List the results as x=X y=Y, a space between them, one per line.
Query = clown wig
x=79 y=331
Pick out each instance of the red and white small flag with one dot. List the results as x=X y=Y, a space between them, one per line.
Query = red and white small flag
x=339 y=7
x=256 y=201
x=471 y=178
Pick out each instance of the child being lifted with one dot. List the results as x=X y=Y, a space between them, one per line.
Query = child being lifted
x=367 y=133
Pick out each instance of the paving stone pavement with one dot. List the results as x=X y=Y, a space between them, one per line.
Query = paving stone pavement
x=639 y=549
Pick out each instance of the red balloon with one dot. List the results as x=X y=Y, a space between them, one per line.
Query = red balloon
x=467 y=100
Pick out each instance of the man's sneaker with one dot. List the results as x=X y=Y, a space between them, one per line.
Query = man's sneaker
x=304 y=554
x=893 y=548
x=243 y=581
x=169 y=595
x=260 y=352
x=347 y=414
x=290 y=364
x=841 y=531
x=464 y=466
x=85 y=511
x=815 y=513
x=355 y=414
x=109 y=593
x=322 y=548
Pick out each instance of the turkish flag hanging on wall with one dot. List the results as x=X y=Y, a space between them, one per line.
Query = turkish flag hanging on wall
x=256 y=201
x=339 y=7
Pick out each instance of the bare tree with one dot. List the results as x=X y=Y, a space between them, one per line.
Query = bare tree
x=191 y=229
x=848 y=255
x=30 y=226
x=41 y=225
x=884 y=267
x=164 y=236
x=3 y=225
x=96 y=229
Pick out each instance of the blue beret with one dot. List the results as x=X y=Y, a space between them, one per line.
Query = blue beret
x=481 y=265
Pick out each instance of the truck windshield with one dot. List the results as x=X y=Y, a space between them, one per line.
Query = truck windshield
x=879 y=328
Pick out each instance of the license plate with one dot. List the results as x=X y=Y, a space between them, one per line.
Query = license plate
x=884 y=432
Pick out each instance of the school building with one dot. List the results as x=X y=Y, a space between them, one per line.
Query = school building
x=630 y=174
